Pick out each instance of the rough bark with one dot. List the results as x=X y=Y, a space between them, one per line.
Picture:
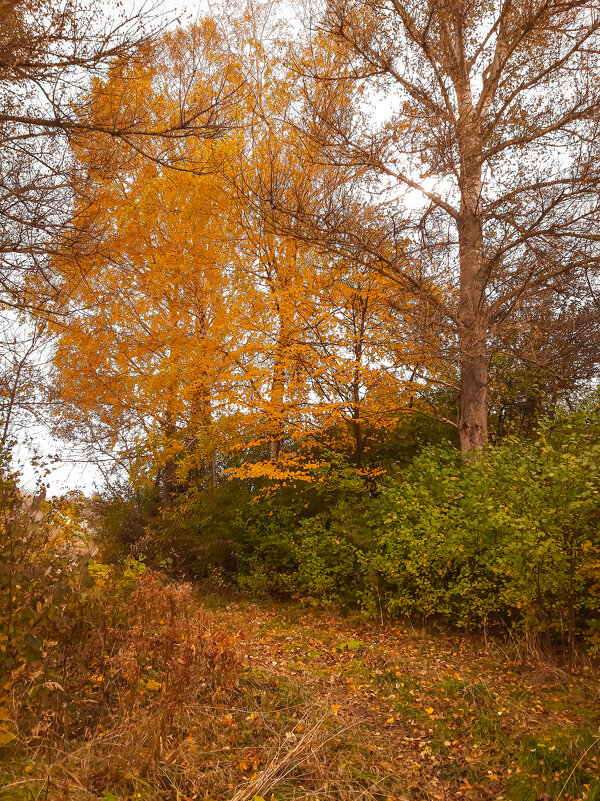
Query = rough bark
x=471 y=319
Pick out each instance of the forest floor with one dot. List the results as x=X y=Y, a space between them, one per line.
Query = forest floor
x=327 y=709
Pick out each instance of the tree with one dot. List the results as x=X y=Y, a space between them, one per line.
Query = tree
x=51 y=55
x=143 y=351
x=546 y=358
x=332 y=372
x=493 y=123
x=293 y=344
x=23 y=352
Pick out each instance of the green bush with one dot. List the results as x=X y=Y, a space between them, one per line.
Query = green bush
x=509 y=536
x=199 y=535
x=124 y=518
x=307 y=539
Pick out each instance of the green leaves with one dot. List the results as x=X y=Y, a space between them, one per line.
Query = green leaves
x=513 y=537
x=351 y=645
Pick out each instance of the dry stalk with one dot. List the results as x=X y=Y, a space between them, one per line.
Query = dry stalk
x=287 y=758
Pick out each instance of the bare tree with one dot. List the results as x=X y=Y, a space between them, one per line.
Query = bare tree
x=489 y=113
x=546 y=356
x=22 y=356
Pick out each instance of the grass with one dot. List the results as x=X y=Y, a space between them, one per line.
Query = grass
x=325 y=709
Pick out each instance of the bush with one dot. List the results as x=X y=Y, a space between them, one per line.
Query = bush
x=42 y=545
x=83 y=643
x=124 y=518
x=306 y=538
x=131 y=639
x=508 y=537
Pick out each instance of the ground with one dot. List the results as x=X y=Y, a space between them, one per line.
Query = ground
x=328 y=709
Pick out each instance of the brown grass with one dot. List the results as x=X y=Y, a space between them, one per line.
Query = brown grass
x=290 y=706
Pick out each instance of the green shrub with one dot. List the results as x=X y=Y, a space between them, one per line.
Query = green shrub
x=124 y=518
x=308 y=538
x=509 y=536
x=199 y=535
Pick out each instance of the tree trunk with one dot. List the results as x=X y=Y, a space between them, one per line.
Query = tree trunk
x=472 y=313
x=472 y=333
x=472 y=342
x=473 y=420
x=356 y=406
x=358 y=435
x=278 y=388
x=168 y=483
x=276 y=402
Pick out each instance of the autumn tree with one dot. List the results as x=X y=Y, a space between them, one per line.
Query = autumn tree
x=144 y=334
x=292 y=343
x=326 y=356
x=160 y=292
x=50 y=55
x=484 y=150
x=359 y=375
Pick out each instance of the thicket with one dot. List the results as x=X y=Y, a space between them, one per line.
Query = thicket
x=90 y=650
x=507 y=540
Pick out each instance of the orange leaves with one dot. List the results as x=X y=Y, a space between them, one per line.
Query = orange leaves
x=286 y=469
x=201 y=330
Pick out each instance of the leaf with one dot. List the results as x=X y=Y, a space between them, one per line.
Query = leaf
x=6 y=735
x=351 y=645
x=153 y=685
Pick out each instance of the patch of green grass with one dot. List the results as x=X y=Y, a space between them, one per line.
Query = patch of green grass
x=355 y=668
x=520 y=788
x=593 y=792
x=408 y=711
x=557 y=763
x=395 y=682
x=477 y=695
x=487 y=727
x=442 y=734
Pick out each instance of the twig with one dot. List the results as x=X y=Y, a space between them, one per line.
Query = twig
x=283 y=764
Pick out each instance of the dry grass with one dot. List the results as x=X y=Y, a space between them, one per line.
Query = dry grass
x=305 y=707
